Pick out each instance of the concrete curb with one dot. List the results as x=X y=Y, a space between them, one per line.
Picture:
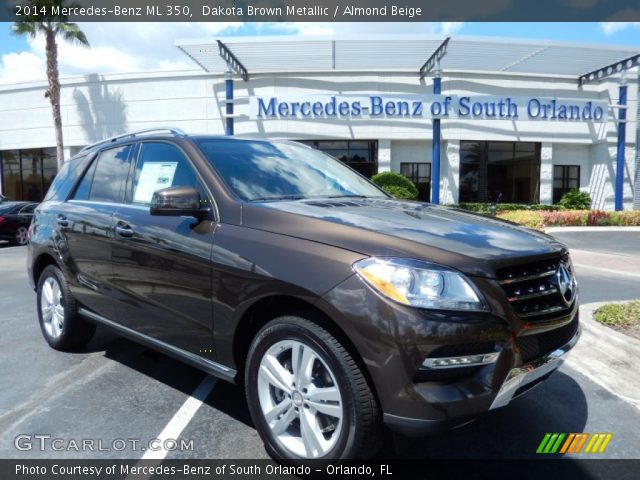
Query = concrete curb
x=607 y=357
x=592 y=229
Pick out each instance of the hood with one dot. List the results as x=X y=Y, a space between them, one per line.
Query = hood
x=475 y=244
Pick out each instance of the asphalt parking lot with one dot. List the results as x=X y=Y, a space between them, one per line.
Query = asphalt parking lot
x=117 y=390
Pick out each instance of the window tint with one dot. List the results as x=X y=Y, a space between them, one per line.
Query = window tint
x=161 y=165
x=66 y=178
x=84 y=187
x=110 y=175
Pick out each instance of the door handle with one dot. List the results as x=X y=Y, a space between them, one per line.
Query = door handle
x=62 y=221
x=124 y=230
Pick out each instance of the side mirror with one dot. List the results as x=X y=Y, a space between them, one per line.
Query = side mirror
x=176 y=202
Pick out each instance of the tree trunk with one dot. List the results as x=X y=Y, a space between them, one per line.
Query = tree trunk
x=54 y=92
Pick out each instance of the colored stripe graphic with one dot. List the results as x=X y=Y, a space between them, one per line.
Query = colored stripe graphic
x=606 y=441
x=543 y=443
x=574 y=443
x=567 y=443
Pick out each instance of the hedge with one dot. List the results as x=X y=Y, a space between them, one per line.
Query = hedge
x=488 y=208
x=570 y=218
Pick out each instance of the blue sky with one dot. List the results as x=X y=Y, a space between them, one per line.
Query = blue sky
x=127 y=47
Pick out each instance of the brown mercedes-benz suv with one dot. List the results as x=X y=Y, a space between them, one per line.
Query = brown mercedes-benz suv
x=273 y=265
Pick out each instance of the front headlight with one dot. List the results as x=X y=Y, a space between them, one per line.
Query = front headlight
x=419 y=284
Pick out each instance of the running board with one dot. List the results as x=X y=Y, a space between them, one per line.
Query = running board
x=208 y=366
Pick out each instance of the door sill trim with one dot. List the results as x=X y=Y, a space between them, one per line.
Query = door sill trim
x=209 y=366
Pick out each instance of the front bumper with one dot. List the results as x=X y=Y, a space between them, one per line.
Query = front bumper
x=528 y=375
x=518 y=381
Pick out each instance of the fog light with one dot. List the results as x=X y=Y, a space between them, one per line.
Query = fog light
x=461 y=361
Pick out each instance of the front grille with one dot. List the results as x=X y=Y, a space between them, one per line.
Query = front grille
x=535 y=346
x=534 y=290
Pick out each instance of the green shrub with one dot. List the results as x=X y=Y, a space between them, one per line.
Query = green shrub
x=399 y=192
x=571 y=218
x=619 y=314
x=526 y=218
x=393 y=179
x=566 y=218
x=575 y=200
x=628 y=219
x=487 y=208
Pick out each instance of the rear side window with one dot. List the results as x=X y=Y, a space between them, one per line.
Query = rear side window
x=161 y=165
x=106 y=178
x=84 y=187
x=66 y=178
x=28 y=210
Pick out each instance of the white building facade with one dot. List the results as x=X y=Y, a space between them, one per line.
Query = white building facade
x=490 y=153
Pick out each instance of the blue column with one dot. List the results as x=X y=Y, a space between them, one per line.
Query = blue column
x=435 y=165
x=228 y=84
x=622 y=131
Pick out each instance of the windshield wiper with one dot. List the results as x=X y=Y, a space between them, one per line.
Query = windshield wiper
x=276 y=198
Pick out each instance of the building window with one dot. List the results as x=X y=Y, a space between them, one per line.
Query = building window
x=499 y=172
x=27 y=174
x=565 y=178
x=361 y=155
x=420 y=175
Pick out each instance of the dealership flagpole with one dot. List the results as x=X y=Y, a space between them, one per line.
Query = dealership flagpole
x=228 y=84
x=435 y=182
x=622 y=127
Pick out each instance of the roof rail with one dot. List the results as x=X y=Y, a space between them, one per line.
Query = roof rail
x=175 y=131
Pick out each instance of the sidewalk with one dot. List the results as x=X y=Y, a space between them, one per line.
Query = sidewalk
x=607 y=357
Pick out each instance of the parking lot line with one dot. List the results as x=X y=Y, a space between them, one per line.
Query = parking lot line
x=181 y=418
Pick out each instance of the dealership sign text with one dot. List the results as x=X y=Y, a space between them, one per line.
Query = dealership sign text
x=433 y=106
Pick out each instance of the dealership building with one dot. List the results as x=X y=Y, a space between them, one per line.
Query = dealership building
x=467 y=119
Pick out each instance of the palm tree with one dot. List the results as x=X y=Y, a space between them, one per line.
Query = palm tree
x=52 y=27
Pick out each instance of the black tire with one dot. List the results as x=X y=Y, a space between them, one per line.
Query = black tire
x=360 y=432
x=75 y=331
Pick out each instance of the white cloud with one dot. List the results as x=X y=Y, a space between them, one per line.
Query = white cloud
x=134 y=47
x=21 y=67
x=611 y=28
x=449 y=28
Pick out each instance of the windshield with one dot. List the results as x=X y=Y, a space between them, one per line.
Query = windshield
x=263 y=171
x=9 y=207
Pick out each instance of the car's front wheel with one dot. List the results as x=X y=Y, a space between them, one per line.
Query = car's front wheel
x=60 y=323
x=307 y=396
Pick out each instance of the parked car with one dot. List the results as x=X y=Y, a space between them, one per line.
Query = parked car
x=272 y=265
x=15 y=218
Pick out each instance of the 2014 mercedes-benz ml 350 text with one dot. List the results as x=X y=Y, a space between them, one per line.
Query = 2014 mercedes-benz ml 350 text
x=273 y=265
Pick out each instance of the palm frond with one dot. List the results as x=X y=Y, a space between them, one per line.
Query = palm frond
x=71 y=33
x=25 y=28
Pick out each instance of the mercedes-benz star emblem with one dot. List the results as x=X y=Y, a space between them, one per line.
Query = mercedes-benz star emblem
x=566 y=284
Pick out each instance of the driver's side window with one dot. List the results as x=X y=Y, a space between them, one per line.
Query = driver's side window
x=161 y=165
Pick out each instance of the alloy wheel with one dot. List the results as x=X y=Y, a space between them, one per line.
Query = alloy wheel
x=22 y=236
x=300 y=399
x=51 y=307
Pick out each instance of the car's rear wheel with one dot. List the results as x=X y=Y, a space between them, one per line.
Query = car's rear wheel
x=307 y=395
x=60 y=323
x=21 y=236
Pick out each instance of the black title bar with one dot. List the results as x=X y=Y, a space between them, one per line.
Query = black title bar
x=327 y=10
